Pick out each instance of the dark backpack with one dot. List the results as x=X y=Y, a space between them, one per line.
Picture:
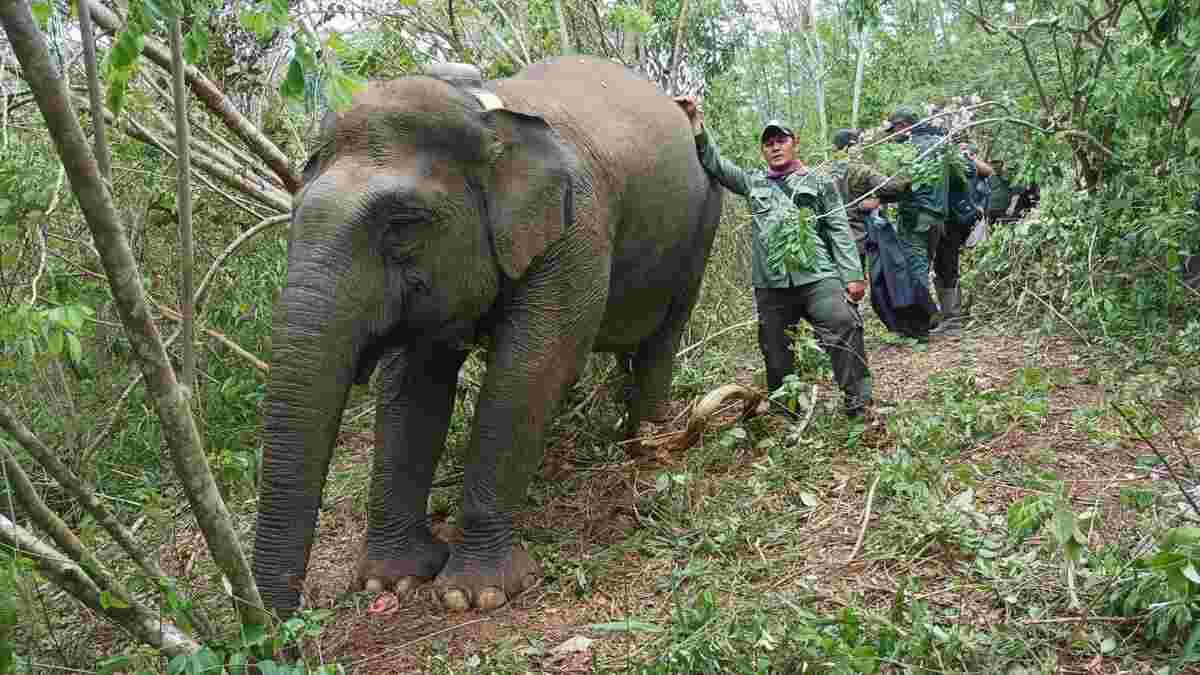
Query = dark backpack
x=962 y=202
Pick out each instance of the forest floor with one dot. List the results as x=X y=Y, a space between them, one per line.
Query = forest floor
x=743 y=553
x=987 y=523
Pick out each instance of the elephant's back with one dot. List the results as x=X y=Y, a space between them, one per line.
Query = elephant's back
x=652 y=200
x=623 y=126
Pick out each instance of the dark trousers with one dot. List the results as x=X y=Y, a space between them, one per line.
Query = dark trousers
x=945 y=246
x=836 y=322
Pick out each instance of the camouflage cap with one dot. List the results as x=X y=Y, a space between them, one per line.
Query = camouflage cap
x=844 y=138
x=775 y=127
x=904 y=114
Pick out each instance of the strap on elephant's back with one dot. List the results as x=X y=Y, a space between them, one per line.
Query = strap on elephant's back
x=487 y=99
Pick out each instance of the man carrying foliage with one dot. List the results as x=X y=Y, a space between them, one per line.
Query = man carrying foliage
x=804 y=262
x=862 y=188
x=936 y=170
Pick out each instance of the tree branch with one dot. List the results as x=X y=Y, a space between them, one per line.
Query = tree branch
x=243 y=159
x=608 y=47
x=170 y=400
x=136 y=619
x=1033 y=72
x=183 y=197
x=222 y=338
x=263 y=193
x=78 y=489
x=202 y=289
x=213 y=98
x=680 y=21
x=100 y=144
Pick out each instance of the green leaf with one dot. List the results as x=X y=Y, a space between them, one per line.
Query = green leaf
x=206 y=661
x=111 y=664
x=118 y=84
x=54 y=341
x=293 y=84
x=110 y=601
x=73 y=317
x=195 y=45
x=1026 y=515
x=74 y=349
x=340 y=90
x=126 y=50
x=41 y=13
x=337 y=45
x=1189 y=571
x=1181 y=536
x=7 y=657
x=258 y=22
x=1108 y=646
x=237 y=664
x=1064 y=525
x=253 y=634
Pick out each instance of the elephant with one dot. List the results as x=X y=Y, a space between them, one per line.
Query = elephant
x=558 y=212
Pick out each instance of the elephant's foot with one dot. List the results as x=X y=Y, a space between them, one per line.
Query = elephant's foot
x=416 y=564
x=650 y=423
x=486 y=585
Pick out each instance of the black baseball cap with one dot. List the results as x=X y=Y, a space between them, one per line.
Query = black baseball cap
x=902 y=115
x=844 y=138
x=773 y=128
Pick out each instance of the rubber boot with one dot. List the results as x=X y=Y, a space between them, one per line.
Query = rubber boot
x=951 y=323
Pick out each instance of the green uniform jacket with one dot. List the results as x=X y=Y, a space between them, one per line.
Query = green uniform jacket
x=928 y=203
x=855 y=179
x=836 y=255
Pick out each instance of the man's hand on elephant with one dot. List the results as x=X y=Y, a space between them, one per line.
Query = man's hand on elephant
x=691 y=107
x=855 y=290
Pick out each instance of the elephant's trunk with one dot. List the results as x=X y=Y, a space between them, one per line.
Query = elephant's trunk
x=314 y=354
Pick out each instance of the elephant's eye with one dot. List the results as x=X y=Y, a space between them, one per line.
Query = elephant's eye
x=400 y=249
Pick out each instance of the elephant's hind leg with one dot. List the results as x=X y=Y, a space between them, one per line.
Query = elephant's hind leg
x=415 y=399
x=653 y=367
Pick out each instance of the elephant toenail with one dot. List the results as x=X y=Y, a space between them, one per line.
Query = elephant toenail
x=374 y=585
x=406 y=585
x=491 y=598
x=456 y=600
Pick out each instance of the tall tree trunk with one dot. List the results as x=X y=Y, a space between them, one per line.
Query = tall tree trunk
x=673 y=69
x=863 y=40
x=791 y=84
x=567 y=48
x=816 y=52
x=170 y=401
x=641 y=39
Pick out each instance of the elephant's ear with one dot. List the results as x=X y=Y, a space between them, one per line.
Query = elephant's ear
x=529 y=194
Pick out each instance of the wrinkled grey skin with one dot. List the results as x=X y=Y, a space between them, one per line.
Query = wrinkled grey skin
x=576 y=219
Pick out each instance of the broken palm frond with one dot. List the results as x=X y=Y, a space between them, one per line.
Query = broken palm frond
x=706 y=409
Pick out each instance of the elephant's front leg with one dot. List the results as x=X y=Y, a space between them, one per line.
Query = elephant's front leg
x=415 y=398
x=526 y=379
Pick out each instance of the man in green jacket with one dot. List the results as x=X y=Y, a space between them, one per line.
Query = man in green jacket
x=925 y=211
x=854 y=181
x=804 y=263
